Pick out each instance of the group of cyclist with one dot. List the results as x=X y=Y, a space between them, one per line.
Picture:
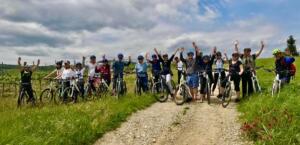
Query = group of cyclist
x=241 y=67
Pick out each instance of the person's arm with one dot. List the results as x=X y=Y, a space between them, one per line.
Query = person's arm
x=36 y=66
x=242 y=69
x=197 y=49
x=158 y=55
x=172 y=57
x=261 y=49
x=83 y=61
x=147 y=57
x=19 y=64
x=181 y=56
x=236 y=46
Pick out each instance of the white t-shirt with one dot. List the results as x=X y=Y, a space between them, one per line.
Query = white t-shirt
x=67 y=74
x=59 y=73
x=180 y=66
x=219 y=64
x=91 y=68
x=79 y=73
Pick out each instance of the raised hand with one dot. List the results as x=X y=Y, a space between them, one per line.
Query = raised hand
x=236 y=42
x=182 y=49
x=38 y=62
x=262 y=43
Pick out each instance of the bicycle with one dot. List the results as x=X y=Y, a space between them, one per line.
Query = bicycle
x=183 y=93
x=48 y=94
x=23 y=95
x=277 y=82
x=255 y=83
x=227 y=94
x=161 y=89
x=121 y=87
x=72 y=91
x=207 y=85
x=219 y=71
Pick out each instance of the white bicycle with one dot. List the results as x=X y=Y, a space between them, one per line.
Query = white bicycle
x=183 y=93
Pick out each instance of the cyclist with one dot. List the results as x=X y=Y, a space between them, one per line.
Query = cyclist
x=179 y=68
x=205 y=64
x=104 y=70
x=26 y=74
x=91 y=72
x=156 y=66
x=141 y=73
x=67 y=75
x=292 y=66
x=248 y=61
x=166 y=68
x=118 y=69
x=236 y=69
x=79 y=71
x=191 y=75
x=57 y=71
x=282 y=65
x=219 y=66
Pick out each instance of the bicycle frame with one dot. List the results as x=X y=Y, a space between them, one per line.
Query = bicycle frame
x=276 y=85
x=255 y=79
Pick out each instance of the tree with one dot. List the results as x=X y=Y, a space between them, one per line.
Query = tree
x=292 y=46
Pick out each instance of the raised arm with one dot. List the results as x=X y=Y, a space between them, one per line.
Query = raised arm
x=242 y=69
x=20 y=67
x=147 y=57
x=226 y=58
x=34 y=67
x=236 y=46
x=181 y=55
x=172 y=57
x=156 y=52
x=83 y=61
x=197 y=49
x=261 y=49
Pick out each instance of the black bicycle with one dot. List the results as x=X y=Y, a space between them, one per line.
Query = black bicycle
x=207 y=86
x=23 y=98
x=227 y=94
x=161 y=90
x=121 y=87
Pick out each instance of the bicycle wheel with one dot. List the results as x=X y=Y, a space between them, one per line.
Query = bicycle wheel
x=21 y=99
x=46 y=96
x=88 y=92
x=103 y=90
x=275 y=88
x=160 y=92
x=181 y=95
x=226 y=97
x=69 y=94
x=208 y=92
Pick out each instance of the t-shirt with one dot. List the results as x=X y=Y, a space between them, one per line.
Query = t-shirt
x=180 y=66
x=190 y=64
x=219 y=63
x=104 y=70
x=118 y=67
x=156 y=68
x=234 y=68
x=67 y=74
x=141 y=69
x=248 y=62
x=91 y=68
x=79 y=73
x=26 y=76
x=206 y=66
x=166 y=65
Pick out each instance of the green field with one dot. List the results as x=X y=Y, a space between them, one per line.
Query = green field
x=273 y=120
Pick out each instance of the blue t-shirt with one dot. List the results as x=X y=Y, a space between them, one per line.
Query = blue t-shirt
x=118 y=67
x=156 y=66
x=141 y=69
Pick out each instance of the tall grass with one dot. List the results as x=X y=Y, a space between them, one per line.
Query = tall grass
x=272 y=120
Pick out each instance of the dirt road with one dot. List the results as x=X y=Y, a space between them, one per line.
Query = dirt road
x=168 y=124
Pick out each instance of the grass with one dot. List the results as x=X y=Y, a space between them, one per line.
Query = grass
x=81 y=123
x=272 y=120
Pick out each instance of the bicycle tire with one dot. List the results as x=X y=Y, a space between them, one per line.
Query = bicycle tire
x=69 y=94
x=208 y=93
x=46 y=96
x=160 y=92
x=181 y=95
x=227 y=95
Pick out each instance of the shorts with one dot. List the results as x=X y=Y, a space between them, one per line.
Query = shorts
x=192 y=80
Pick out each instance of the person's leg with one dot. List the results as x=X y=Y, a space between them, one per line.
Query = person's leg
x=244 y=84
x=202 y=88
x=114 y=83
x=169 y=83
x=29 y=91
x=250 y=84
x=144 y=83
x=236 y=81
x=216 y=77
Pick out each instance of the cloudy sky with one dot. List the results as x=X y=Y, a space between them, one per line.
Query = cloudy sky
x=69 y=29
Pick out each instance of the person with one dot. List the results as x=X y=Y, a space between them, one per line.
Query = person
x=179 y=68
x=155 y=65
x=79 y=72
x=118 y=69
x=219 y=67
x=205 y=65
x=56 y=73
x=141 y=73
x=26 y=75
x=292 y=66
x=166 y=68
x=191 y=75
x=67 y=75
x=283 y=65
x=104 y=70
x=91 y=66
x=236 y=69
x=248 y=61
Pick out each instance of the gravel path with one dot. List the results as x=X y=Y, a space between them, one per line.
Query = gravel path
x=168 y=124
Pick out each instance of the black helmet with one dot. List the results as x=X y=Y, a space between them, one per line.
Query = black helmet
x=190 y=53
x=165 y=55
x=59 y=62
x=93 y=57
x=154 y=56
x=104 y=60
x=206 y=57
x=219 y=53
x=140 y=57
x=78 y=64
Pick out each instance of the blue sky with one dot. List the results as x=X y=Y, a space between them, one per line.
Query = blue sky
x=70 y=29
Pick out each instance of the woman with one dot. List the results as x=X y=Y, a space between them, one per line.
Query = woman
x=219 y=71
x=67 y=75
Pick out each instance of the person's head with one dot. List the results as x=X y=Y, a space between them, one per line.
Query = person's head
x=26 y=66
x=105 y=61
x=277 y=53
x=176 y=59
x=120 y=56
x=59 y=64
x=154 y=57
x=67 y=64
x=235 y=56
x=165 y=57
x=78 y=66
x=140 y=59
x=219 y=55
x=287 y=51
x=93 y=59
x=190 y=55
x=247 y=51
x=206 y=59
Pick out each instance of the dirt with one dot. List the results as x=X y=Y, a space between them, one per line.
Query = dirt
x=190 y=124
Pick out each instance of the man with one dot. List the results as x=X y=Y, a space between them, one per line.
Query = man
x=155 y=65
x=26 y=74
x=141 y=73
x=118 y=69
x=91 y=72
x=248 y=61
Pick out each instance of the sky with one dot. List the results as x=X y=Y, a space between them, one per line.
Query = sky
x=69 y=29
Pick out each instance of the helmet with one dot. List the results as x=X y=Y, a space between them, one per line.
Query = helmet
x=154 y=56
x=104 y=60
x=190 y=53
x=78 y=64
x=247 y=49
x=59 y=62
x=165 y=55
x=93 y=57
x=140 y=57
x=206 y=57
x=120 y=56
x=235 y=53
x=276 y=51
x=219 y=53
